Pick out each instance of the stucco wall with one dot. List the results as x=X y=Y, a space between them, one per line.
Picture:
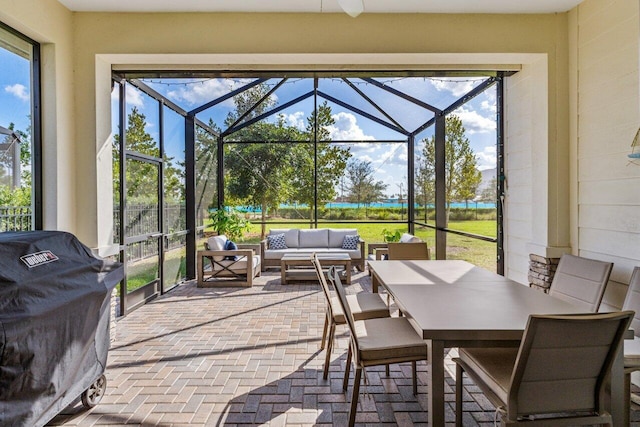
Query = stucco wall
x=605 y=96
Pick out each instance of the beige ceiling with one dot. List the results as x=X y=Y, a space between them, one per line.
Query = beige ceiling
x=320 y=6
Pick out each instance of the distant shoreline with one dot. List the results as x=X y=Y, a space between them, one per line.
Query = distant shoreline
x=379 y=205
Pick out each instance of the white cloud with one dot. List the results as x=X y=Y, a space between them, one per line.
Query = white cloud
x=199 y=93
x=19 y=91
x=487 y=158
x=346 y=128
x=489 y=106
x=489 y=103
x=395 y=156
x=296 y=119
x=474 y=122
x=456 y=88
x=366 y=158
x=133 y=95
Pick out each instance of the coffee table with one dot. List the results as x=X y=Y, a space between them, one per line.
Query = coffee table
x=291 y=265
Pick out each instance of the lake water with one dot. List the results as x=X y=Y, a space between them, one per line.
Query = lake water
x=346 y=205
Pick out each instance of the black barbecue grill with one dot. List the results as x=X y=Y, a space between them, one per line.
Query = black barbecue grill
x=54 y=324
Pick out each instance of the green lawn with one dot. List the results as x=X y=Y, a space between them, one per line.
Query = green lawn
x=142 y=272
x=476 y=251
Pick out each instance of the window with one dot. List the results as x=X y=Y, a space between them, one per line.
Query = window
x=20 y=200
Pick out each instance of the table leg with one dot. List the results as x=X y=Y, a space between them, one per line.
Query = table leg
x=435 y=377
x=374 y=284
x=283 y=273
x=348 y=270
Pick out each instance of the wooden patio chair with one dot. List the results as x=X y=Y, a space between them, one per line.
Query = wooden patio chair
x=408 y=251
x=220 y=267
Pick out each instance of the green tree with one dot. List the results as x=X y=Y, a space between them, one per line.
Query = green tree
x=462 y=176
x=256 y=174
x=489 y=193
x=470 y=178
x=142 y=177
x=424 y=183
x=363 y=189
x=20 y=195
x=331 y=161
x=206 y=175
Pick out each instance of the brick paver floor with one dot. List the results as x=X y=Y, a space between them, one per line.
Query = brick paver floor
x=249 y=356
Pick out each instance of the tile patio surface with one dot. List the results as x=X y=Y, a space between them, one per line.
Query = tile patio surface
x=250 y=356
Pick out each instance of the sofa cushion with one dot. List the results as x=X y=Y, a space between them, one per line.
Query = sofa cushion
x=217 y=243
x=350 y=242
x=494 y=367
x=336 y=236
x=409 y=238
x=276 y=241
x=316 y=238
x=290 y=235
x=230 y=245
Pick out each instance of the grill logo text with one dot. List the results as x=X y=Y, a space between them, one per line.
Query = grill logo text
x=38 y=258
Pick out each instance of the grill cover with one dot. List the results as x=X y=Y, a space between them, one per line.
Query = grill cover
x=54 y=323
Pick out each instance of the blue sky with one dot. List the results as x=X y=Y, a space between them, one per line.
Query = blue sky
x=15 y=90
x=389 y=160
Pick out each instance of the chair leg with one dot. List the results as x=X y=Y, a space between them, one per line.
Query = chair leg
x=415 y=377
x=627 y=398
x=386 y=370
x=327 y=360
x=324 y=331
x=347 y=368
x=458 y=395
x=354 y=396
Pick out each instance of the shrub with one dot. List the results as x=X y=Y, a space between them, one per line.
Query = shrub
x=229 y=222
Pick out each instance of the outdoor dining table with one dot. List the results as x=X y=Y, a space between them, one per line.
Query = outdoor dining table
x=452 y=303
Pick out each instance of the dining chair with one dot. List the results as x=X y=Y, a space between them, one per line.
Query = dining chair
x=399 y=251
x=363 y=305
x=581 y=281
x=632 y=347
x=556 y=377
x=408 y=251
x=375 y=342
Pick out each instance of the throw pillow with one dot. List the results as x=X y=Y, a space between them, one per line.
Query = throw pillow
x=276 y=241
x=230 y=246
x=350 y=242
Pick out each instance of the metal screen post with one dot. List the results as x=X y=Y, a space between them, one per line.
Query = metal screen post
x=190 y=194
x=441 y=199
x=411 y=183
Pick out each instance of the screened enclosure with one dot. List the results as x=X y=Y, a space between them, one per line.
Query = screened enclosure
x=384 y=153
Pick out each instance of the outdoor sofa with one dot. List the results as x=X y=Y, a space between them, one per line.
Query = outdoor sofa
x=323 y=240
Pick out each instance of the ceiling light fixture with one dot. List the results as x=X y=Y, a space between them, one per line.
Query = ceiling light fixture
x=353 y=8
